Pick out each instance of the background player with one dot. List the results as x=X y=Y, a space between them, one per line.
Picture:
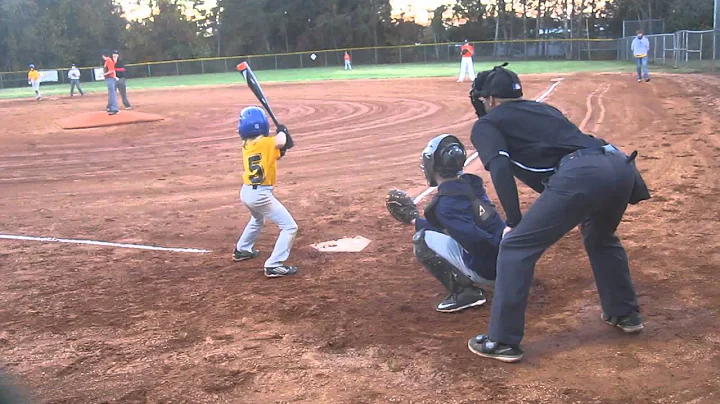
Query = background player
x=34 y=80
x=348 y=61
x=261 y=153
x=74 y=76
x=110 y=80
x=640 y=47
x=458 y=240
x=466 y=64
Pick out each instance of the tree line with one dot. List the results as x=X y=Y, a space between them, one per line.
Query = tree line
x=54 y=33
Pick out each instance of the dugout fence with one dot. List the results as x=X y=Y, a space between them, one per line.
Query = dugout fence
x=693 y=50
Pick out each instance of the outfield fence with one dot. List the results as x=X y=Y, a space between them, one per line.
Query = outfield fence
x=554 y=49
x=698 y=50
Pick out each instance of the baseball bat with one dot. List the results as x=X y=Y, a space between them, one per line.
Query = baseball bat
x=254 y=85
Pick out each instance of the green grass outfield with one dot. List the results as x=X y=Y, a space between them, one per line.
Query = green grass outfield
x=332 y=73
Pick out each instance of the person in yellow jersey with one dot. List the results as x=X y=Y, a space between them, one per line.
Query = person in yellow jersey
x=34 y=81
x=261 y=153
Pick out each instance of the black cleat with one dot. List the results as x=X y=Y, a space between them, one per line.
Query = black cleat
x=482 y=345
x=244 y=255
x=466 y=298
x=631 y=323
x=282 y=270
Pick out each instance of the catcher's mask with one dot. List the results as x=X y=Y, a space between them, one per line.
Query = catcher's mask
x=444 y=155
x=498 y=82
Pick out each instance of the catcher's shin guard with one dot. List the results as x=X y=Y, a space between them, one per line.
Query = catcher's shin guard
x=453 y=280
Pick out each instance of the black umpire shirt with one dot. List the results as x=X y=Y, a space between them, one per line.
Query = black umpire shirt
x=120 y=69
x=525 y=139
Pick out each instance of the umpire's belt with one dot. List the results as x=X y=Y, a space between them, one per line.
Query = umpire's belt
x=608 y=148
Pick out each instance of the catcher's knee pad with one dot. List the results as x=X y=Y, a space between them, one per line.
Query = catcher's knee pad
x=439 y=267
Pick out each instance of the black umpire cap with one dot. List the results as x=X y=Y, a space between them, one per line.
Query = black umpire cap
x=498 y=82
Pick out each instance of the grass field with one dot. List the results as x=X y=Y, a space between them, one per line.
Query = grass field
x=333 y=73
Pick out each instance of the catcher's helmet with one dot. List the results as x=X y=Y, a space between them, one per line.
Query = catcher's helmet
x=253 y=122
x=444 y=155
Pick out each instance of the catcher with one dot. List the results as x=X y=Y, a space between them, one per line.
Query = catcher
x=457 y=241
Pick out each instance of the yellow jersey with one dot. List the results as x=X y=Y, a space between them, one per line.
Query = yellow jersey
x=260 y=156
x=33 y=75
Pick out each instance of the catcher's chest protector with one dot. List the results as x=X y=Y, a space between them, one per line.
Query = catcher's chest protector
x=481 y=210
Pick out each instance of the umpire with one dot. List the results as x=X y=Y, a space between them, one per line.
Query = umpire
x=582 y=180
x=121 y=71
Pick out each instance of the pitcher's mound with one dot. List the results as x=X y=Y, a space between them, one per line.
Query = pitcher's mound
x=98 y=119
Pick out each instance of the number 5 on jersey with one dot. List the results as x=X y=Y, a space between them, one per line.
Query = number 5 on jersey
x=257 y=174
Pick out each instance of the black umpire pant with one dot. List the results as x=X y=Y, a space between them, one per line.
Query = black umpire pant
x=592 y=191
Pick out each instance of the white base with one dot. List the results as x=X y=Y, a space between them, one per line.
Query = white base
x=354 y=244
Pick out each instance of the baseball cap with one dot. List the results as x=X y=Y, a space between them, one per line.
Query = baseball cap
x=501 y=83
x=31 y=65
x=116 y=52
x=105 y=52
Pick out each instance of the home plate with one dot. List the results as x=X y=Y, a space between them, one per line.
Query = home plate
x=354 y=244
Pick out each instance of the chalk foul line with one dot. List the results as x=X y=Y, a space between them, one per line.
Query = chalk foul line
x=473 y=156
x=102 y=243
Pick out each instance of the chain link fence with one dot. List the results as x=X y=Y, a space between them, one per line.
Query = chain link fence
x=692 y=50
x=554 y=49
x=695 y=50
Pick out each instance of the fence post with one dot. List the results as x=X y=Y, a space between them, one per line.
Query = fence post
x=202 y=66
x=149 y=73
x=400 y=53
x=424 y=54
x=715 y=45
x=177 y=68
x=376 y=58
x=301 y=62
x=276 y=63
x=701 y=46
x=226 y=68
x=1 y=82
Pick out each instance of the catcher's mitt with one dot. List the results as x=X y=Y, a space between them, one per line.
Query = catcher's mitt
x=401 y=206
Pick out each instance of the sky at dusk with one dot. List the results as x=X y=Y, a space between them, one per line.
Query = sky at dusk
x=417 y=8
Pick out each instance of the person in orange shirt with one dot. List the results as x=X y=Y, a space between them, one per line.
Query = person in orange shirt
x=466 y=65
x=348 y=64
x=110 y=81
x=34 y=80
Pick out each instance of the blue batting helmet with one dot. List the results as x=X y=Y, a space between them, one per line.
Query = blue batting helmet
x=253 y=122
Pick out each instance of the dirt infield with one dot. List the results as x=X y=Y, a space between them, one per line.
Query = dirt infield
x=84 y=324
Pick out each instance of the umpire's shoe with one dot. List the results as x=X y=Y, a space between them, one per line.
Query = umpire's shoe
x=466 y=298
x=631 y=324
x=282 y=270
x=482 y=345
x=244 y=255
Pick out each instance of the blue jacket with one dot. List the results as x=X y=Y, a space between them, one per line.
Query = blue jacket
x=479 y=238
